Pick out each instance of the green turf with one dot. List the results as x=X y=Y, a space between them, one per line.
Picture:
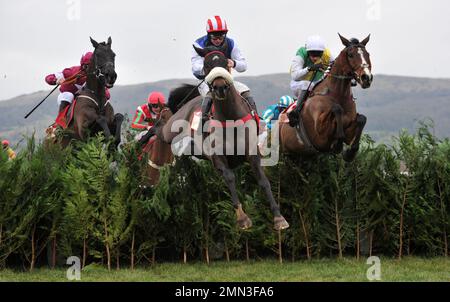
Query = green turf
x=408 y=269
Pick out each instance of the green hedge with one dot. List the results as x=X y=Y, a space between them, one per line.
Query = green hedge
x=83 y=201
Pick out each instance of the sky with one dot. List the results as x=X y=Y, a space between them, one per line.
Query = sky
x=152 y=39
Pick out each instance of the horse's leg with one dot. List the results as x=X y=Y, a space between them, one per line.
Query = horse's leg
x=115 y=125
x=116 y=128
x=220 y=163
x=82 y=124
x=353 y=133
x=103 y=123
x=279 y=222
x=339 y=134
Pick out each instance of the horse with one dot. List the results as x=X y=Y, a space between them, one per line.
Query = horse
x=159 y=152
x=328 y=117
x=92 y=113
x=228 y=106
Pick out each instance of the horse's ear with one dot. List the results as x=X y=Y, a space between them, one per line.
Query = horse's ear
x=109 y=41
x=201 y=52
x=94 y=43
x=366 y=40
x=344 y=41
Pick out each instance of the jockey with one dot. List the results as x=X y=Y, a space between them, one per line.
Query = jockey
x=307 y=68
x=146 y=115
x=272 y=113
x=216 y=28
x=8 y=150
x=72 y=80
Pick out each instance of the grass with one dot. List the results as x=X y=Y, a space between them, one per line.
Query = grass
x=408 y=269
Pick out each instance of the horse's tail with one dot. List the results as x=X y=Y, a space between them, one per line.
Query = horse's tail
x=184 y=93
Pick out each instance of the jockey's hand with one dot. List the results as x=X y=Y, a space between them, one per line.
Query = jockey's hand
x=231 y=63
x=60 y=81
x=316 y=67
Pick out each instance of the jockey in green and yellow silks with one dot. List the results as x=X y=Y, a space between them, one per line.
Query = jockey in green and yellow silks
x=310 y=61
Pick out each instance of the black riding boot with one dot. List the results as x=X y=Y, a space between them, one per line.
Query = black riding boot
x=294 y=115
x=63 y=106
x=206 y=107
x=145 y=138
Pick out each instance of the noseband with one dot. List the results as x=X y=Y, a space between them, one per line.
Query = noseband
x=98 y=73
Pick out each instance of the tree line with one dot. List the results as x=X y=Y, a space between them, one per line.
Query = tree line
x=84 y=201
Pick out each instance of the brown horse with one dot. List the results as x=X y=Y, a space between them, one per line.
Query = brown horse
x=92 y=112
x=229 y=106
x=329 y=117
x=159 y=152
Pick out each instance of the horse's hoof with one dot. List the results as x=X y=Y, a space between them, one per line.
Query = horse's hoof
x=119 y=117
x=280 y=223
x=245 y=223
x=348 y=155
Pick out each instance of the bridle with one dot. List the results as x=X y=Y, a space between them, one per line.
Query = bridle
x=353 y=74
x=211 y=88
x=98 y=73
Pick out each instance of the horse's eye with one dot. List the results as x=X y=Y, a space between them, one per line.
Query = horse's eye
x=350 y=55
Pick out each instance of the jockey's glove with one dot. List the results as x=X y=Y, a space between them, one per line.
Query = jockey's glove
x=316 y=67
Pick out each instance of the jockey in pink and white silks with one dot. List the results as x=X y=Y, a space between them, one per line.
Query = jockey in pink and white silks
x=217 y=29
x=72 y=81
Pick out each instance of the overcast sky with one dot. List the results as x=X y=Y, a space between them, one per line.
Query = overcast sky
x=152 y=39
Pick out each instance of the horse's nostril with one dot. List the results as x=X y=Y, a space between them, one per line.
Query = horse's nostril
x=365 y=78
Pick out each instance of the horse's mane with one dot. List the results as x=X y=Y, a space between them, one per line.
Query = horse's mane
x=178 y=94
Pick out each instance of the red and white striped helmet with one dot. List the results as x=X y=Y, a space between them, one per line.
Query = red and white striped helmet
x=216 y=24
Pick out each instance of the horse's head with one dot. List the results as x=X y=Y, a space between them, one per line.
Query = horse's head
x=215 y=67
x=103 y=63
x=358 y=60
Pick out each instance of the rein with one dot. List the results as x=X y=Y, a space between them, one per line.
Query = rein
x=189 y=94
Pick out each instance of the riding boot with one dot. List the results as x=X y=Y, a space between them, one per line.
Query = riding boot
x=61 y=117
x=294 y=115
x=206 y=107
x=147 y=136
x=63 y=106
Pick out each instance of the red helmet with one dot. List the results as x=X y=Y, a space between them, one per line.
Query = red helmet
x=216 y=24
x=86 y=58
x=156 y=97
x=5 y=143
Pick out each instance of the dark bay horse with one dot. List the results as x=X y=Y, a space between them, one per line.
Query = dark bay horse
x=229 y=106
x=92 y=112
x=329 y=115
x=159 y=153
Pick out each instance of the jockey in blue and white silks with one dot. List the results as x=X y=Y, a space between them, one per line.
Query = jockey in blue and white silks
x=217 y=29
x=273 y=111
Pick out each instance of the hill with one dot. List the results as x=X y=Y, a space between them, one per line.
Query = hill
x=392 y=103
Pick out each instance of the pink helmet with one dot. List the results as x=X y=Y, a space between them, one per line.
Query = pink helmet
x=5 y=143
x=216 y=24
x=156 y=97
x=86 y=58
